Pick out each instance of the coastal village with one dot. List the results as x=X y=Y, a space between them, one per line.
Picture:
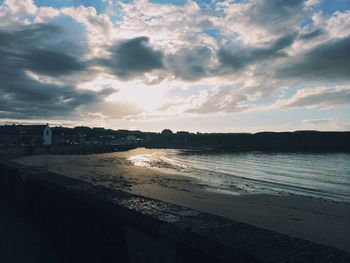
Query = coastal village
x=38 y=135
x=35 y=135
x=44 y=135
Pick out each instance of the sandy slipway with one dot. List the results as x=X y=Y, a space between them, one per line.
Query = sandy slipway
x=318 y=220
x=92 y=223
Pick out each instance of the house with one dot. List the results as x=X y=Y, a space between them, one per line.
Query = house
x=47 y=135
x=35 y=134
x=26 y=134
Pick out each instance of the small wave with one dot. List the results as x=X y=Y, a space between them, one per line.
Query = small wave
x=301 y=174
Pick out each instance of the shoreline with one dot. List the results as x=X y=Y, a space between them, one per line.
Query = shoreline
x=321 y=221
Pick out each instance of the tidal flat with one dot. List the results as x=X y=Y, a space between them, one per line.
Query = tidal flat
x=319 y=220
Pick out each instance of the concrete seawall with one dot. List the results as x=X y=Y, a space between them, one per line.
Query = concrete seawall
x=87 y=223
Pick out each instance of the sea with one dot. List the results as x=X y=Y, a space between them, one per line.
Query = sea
x=317 y=175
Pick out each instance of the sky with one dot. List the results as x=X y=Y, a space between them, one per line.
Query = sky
x=207 y=66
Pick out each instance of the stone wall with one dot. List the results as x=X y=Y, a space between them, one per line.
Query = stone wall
x=87 y=223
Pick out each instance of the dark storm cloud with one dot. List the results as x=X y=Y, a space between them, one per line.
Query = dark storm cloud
x=22 y=97
x=239 y=58
x=327 y=61
x=189 y=63
x=30 y=48
x=52 y=63
x=34 y=48
x=133 y=57
x=28 y=36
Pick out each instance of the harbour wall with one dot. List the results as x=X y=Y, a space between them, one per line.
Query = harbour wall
x=88 y=223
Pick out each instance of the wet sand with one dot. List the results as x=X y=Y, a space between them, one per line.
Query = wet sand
x=321 y=221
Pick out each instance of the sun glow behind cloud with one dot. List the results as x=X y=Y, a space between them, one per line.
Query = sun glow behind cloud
x=189 y=65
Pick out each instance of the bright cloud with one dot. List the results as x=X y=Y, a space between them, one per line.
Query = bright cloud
x=318 y=97
x=140 y=60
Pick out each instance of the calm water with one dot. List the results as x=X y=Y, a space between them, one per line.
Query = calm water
x=318 y=175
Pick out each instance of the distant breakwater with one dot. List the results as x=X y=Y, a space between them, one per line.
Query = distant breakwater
x=88 y=223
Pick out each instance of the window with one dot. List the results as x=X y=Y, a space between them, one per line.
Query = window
x=47 y=132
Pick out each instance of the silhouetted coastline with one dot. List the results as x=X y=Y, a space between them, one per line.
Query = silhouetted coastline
x=94 y=138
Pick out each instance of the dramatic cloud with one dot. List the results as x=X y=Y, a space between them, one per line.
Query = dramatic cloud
x=23 y=97
x=133 y=57
x=241 y=57
x=30 y=50
x=52 y=63
x=327 y=61
x=149 y=60
x=190 y=63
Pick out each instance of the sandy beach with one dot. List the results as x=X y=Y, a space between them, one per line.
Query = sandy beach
x=318 y=220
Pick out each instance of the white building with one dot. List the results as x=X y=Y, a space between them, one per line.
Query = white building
x=26 y=134
x=47 y=135
x=34 y=134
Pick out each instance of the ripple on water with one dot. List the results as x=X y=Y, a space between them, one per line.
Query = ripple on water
x=318 y=175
